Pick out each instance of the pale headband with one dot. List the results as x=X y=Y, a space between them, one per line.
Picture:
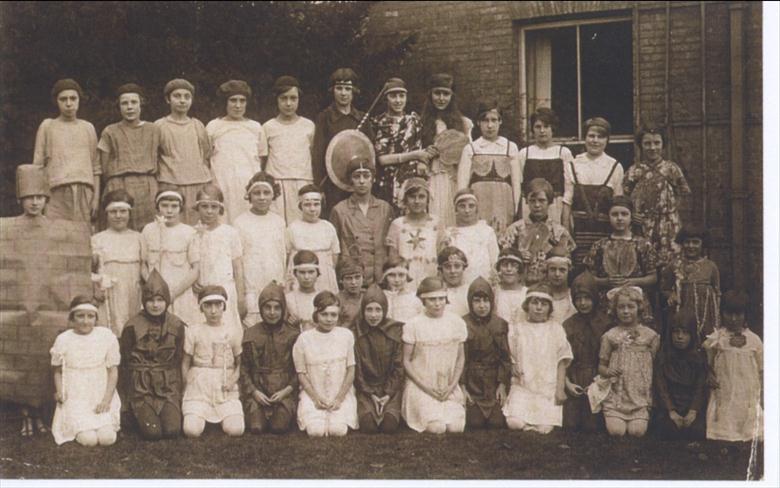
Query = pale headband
x=312 y=195
x=306 y=266
x=611 y=293
x=169 y=194
x=397 y=269
x=510 y=257
x=259 y=183
x=212 y=298
x=116 y=205
x=559 y=260
x=434 y=294
x=538 y=294
x=88 y=307
x=343 y=82
x=466 y=196
x=210 y=201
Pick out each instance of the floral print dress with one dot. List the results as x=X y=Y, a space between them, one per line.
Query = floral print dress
x=395 y=136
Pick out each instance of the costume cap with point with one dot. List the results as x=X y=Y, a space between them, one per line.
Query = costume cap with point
x=693 y=230
x=452 y=254
x=509 y=254
x=392 y=329
x=130 y=88
x=585 y=284
x=234 y=87
x=441 y=80
x=481 y=287
x=31 y=180
x=431 y=286
x=734 y=301
x=156 y=286
x=177 y=84
x=622 y=201
x=395 y=85
x=66 y=84
x=348 y=266
x=273 y=292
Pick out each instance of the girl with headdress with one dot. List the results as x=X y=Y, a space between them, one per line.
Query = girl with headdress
x=290 y=139
x=238 y=146
x=403 y=303
x=119 y=253
x=490 y=168
x=379 y=364
x=510 y=289
x=300 y=301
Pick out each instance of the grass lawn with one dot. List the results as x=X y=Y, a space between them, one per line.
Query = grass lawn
x=473 y=455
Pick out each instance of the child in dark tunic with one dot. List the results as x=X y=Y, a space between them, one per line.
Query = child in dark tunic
x=680 y=376
x=151 y=348
x=350 y=275
x=488 y=368
x=583 y=331
x=269 y=384
x=379 y=364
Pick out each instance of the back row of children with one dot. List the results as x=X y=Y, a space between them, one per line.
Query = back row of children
x=540 y=342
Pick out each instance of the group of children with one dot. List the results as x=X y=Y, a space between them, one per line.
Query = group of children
x=257 y=312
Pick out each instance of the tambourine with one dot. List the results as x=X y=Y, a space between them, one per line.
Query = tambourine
x=342 y=148
x=450 y=144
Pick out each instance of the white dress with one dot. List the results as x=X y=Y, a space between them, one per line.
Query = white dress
x=213 y=351
x=458 y=298
x=321 y=239
x=417 y=243
x=172 y=251
x=444 y=181
x=218 y=248
x=536 y=348
x=289 y=161
x=436 y=342
x=403 y=305
x=237 y=146
x=265 y=253
x=734 y=412
x=563 y=308
x=302 y=306
x=325 y=357
x=509 y=304
x=120 y=255
x=85 y=360
x=480 y=245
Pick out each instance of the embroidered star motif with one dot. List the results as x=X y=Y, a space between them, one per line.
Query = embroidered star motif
x=416 y=239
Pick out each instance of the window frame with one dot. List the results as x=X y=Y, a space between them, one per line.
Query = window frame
x=525 y=129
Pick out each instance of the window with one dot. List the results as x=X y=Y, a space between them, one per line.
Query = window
x=581 y=70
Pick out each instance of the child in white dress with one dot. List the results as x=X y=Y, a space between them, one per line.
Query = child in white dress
x=325 y=361
x=510 y=291
x=558 y=266
x=474 y=237
x=452 y=265
x=433 y=359
x=300 y=301
x=210 y=367
x=402 y=301
x=85 y=360
x=312 y=233
x=540 y=355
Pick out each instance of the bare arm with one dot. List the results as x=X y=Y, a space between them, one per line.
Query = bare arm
x=411 y=373
x=303 y=379
x=105 y=403
x=460 y=362
x=349 y=379
x=400 y=158
x=560 y=382
x=59 y=393
x=238 y=276
x=186 y=362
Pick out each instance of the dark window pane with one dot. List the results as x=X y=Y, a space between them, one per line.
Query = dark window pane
x=564 y=79
x=606 y=67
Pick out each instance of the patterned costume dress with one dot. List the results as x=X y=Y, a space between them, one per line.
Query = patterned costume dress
x=697 y=286
x=395 y=136
x=444 y=180
x=416 y=242
x=538 y=238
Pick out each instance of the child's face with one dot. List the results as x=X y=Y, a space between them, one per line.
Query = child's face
x=373 y=314
x=652 y=147
x=480 y=305
x=557 y=274
x=692 y=247
x=209 y=212
x=84 y=321
x=118 y=218
x=538 y=309
x=361 y=182
x=311 y=210
x=417 y=202
x=130 y=106
x=155 y=306
x=489 y=125
x=396 y=280
x=509 y=272
x=343 y=94
x=542 y=133
x=261 y=198
x=396 y=102
x=434 y=306
x=271 y=312
x=213 y=311
x=352 y=283
x=236 y=107
x=595 y=142
x=733 y=320
x=328 y=318
x=681 y=338
x=441 y=98
x=466 y=212
x=306 y=278
x=180 y=101
x=619 y=218
x=627 y=311
x=287 y=102
x=583 y=303
x=33 y=205
x=68 y=103
x=170 y=210
x=538 y=205
x=452 y=273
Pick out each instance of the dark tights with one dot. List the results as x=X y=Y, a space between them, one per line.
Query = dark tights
x=278 y=423
x=388 y=425
x=475 y=419
x=153 y=426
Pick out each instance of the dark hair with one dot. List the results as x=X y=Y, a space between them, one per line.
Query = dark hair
x=182 y=203
x=451 y=116
x=323 y=300
x=650 y=129
x=540 y=185
x=600 y=123
x=119 y=195
x=547 y=116
x=486 y=106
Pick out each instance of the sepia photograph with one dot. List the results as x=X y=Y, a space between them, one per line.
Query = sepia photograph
x=501 y=241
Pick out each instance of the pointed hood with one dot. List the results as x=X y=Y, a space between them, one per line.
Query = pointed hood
x=482 y=287
x=388 y=327
x=272 y=292
x=584 y=283
x=156 y=286
x=681 y=366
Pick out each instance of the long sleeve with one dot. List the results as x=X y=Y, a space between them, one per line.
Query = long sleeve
x=247 y=366
x=39 y=155
x=464 y=168
x=318 y=148
x=360 y=379
x=505 y=358
x=515 y=173
x=697 y=400
x=662 y=388
x=126 y=345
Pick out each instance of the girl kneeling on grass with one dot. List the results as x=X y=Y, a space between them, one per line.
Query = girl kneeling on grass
x=433 y=359
x=210 y=368
x=325 y=361
x=85 y=359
